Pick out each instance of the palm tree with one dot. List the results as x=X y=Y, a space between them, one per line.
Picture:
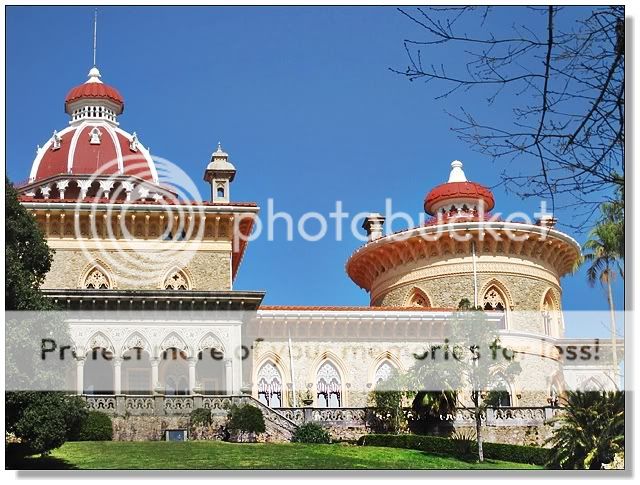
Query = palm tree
x=589 y=431
x=602 y=252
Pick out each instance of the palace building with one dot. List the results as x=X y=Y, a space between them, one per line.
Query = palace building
x=128 y=242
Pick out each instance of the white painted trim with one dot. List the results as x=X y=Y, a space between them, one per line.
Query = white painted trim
x=36 y=162
x=144 y=151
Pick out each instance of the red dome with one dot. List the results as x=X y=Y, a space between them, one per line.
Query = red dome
x=95 y=90
x=109 y=152
x=458 y=191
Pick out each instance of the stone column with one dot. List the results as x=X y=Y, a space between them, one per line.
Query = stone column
x=192 y=374
x=154 y=373
x=228 y=375
x=80 y=375
x=117 y=376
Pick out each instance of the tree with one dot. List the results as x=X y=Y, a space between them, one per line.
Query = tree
x=602 y=254
x=562 y=76
x=386 y=402
x=246 y=419
x=589 y=431
x=40 y=420
x=27 y=257
x=469 y=364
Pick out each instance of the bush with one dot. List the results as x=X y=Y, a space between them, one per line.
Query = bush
x=42 y=421
x=465 y=443
x=246 y=419
x=448 y=447
x=311 y=433
x=96 y=427
x=200 y=417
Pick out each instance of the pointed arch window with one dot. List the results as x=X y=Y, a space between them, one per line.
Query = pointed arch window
x=270 y=386
x=176 y=281
x=550 y=313
x=97 y=280
x=494 y=299
x=500 y=395
x=329 y=387
x=419 y=299
x=384 y=372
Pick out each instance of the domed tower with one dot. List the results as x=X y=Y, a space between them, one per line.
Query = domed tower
x=95 y=191
x=463 y=252
x=93 y=156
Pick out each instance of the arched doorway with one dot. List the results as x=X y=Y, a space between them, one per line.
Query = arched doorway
x=136 y=372
x=98 y=372
x=210 y=372
x=173 y=371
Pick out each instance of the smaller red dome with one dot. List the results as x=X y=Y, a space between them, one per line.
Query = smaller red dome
x=458 y=191
x=95 y=90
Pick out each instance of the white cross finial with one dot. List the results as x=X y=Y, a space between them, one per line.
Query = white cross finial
x=457 y=175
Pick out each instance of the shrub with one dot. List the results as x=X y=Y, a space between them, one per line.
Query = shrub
x=311 y=433
x=42 y=421
x=96 y=427
x=200 y=417
x=245 y=419
x=448 y=447
x=465 y=443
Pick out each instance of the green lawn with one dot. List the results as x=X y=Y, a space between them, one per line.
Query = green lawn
x=219 y=455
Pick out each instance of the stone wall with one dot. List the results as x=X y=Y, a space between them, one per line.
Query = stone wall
x=205 y=270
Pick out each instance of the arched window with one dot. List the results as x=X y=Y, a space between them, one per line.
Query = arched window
x=176 y=281
x=550 y=314
x=270 y=386
x=329 y=387
x=383 y=375
x=97 y=280
x=494 y=299
x=220 y=191
x=592 y=385
x=500 y=395
x=419 y=299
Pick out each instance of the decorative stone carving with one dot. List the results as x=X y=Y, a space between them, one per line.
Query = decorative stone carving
x=96 y=280
x=176 y=281
x=94 y=136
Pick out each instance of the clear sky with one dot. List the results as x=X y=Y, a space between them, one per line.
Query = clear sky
x=302 y=100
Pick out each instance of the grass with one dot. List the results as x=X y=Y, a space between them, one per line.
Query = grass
x=219 y=455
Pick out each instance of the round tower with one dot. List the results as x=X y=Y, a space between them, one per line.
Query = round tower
x=463 y=252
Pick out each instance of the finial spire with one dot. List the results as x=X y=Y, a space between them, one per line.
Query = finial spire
x=219 y=147
x=95 y=35
x=457 y=175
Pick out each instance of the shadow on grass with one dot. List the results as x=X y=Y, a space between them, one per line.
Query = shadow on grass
x=38 y=463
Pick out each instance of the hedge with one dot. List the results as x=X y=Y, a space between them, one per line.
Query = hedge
x=444 y=446
x=95 y=427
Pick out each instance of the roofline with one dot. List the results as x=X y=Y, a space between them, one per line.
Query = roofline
x=90 y=206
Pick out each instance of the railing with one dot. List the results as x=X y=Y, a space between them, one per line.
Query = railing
x=161 y=405
x=289 y=418
x=509 y=416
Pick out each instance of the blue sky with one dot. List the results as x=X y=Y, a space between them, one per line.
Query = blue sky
x=301 y=98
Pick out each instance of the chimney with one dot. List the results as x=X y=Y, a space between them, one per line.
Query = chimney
x=373 y=225
x=547 y=221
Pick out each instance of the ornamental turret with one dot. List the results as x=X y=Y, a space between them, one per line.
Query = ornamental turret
x=220 y=173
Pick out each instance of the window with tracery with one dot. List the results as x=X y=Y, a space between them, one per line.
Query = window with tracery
x=96 y=280
x=270 y=386
x=419 y=299
x=176 y=281
x=383 y=373
x=328 y=387
x=493 y=300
